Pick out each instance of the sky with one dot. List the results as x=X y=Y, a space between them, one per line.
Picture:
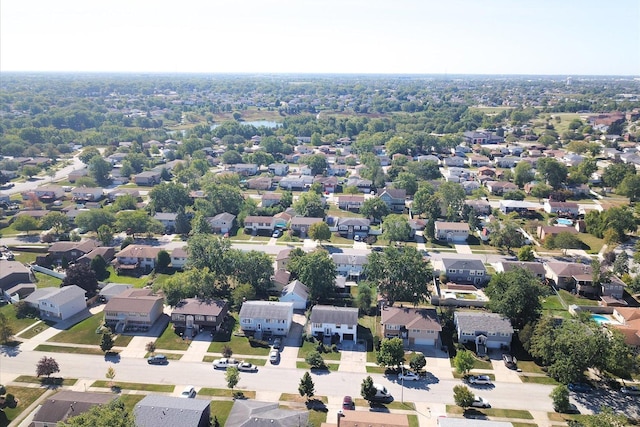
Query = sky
x=548 y=37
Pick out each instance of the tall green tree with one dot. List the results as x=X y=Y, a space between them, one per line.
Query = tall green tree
x=463 y=361
x=452 y=197
x=516 y=294
x=106 y=343
x=365 y=297
x=113 y=414
x=391 y=353
x=93 y=219
x=310 y=205
x=306 y=387
x=317 y=271
x=553 y=172
x=56 y=221
x=560 y=397
x=374 y=208
x=463 y=396
x=367 y=390
x=6 y=331
x=169 y=197
x=25 y=223
x=100 y=170
x=319 y=231
x=232 y=376
x=523 y=174
x=396 y=228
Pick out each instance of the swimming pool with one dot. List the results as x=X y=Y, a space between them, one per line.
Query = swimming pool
x=564 y=221
x=601 y=319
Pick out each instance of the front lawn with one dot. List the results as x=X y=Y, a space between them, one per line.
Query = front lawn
x=15 y=324
x=46 y=380
x=530 y=366
x=169 y=340
x=25 y=397
x=239 y=345
x=225 y=392
x=331 y=367
x=291 y=397
x=407 y=406
x=85 y=332
x=308 y=347
x=35 y=330
x=413 y=421
x=64 y=349
x=160 y=388
x=538 y=380
x=220 y=410
x=493 y=412
x=130 y=400
x=136 y=282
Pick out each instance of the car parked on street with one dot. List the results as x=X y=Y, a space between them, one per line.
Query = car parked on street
x=408 y=376
x=479 y=380
x=225 y=363
x=247 y=367
x=158 y=359
x=479 y=402
x=570 y=409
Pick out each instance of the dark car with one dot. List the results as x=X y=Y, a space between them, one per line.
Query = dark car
x=580 y=387
x=510 y=361
x=571 y=409
x=158 y=359
x=348 y=404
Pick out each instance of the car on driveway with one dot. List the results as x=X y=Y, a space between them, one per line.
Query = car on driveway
x=479 y=402
x=276 y=233
x=580 y=387
x=158 y=359
x=274 y=357
x=479 y=380
x=408 y=376
x=247 y=367
x=631 y=390
x=277 y=343
x=348 y=403
x=189 y=392
x=225 y=363
x=510 y=361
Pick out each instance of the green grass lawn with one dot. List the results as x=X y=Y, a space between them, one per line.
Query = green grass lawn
x=459 y=376
x=130 y=400
x=220 y=409
x=44 y=380
x=570 y=299
x=332 y=367
x=25 y=257
x=493 y=412
x=35 y=330
x=15 y=324
x=170 y=356
x=225 y=392
x=375 y=369
x=240 y=345
x=308 y=347
x=538 y=380
x=161 y=278
x=64 y=349
x=407 y=406
x=136 y=282
x=317 y=417
x=413 y=421
x=257 y=362
x=292 y=397
x=516 y=424
x=160 y=388
x=169 y=340
x=85 y=333
x=46 y=281
x=529 y=366
x=25 y=397
x=593 y=243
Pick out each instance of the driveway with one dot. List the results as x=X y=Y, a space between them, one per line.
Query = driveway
x=353 y=358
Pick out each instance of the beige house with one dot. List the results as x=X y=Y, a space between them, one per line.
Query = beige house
x=133 y=309
x=416 y=326
x=452 y=231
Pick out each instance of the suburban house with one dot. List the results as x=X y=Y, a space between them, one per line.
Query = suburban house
x=279 y=169
x=179 y=257
x=168 y=220
x=199 y=315
x=69 y=251
x=106 y=252
x=63 y=303
x=263 y=183
x=222 y=223
x=300 y=224
x=13 y=273
x=258 y=224
x=328 y=321
x=486 y=330
x=244 y=169
x=266 y=316
x=349 y=265
x=451 y=231
x=113 y=289
x=416 y=326
x=280 y=279
x=350 y=227
x=481 y=137
x=500 y=187
x=74 y=175
x=157 y=410
x=561 y=208
x=295 y=182
x=519 y=206
x=455 y=161
x=133 y=308
x=135 y=257
x=393 y=198
x=250 y=413
x=270 y=199
x=363 y=185
x=629 y=326
x=566 y=275
x=350 y=202
x=481 y=207
x=476 y=160
x=47 y=192
x=87 y=194
x=535 y=268
x=464 y=271
x=544 y=231
x=147 y=178
x=297 y=293
x=66 y=404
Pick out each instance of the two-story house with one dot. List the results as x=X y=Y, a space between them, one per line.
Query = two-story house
x=136 y=309
x=62 y=303
x=279 y=169
x=244 y=169
x=147 y=178
x=167 y=219
x=393 y=198
x=561 y=208
x=300 y=224
x=222 y=223
x=486 y=330
x=69 y=251
x=87 y=194
x=297 y=293
x=464 y=271
x=266 y=316
x=349 y=265
x=334 y=323
x=500 y=187
x=456 y=232
x=350 y=202
x=135 y=257
x=535 y=268
x=350 y=227
x=179 y=257
x=196 y=315
x=415 y=326
x=259 y=224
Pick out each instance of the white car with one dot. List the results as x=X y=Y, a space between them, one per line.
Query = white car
x=225 y=363
x=408 y=376
x=479 y=402
x=274 y=357
x=189 y=392
x=479 y=380
x=247 y=367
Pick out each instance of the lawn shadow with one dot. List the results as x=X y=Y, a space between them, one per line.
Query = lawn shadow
x=320 y=371
x=474 y=414
x=316 y=405
x=52 y=383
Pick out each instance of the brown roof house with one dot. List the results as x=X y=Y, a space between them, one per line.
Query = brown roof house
x=133 y=309
x=13 y=273
x=629 y=326
x=135 y=257
x=70 y=251
x=66 y=404
x=199 y=315
x=416 y=326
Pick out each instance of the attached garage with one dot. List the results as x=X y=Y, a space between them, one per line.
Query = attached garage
x=347 y=337
x=424 y=341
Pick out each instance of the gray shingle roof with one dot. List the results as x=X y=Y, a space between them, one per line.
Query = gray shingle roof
x=266 y=310
x=481 y=321
x=298 y=288
x=66 y=294
x=337 y=315
x=168 y=411
x=463 y=264
x=66 y=404
x=253 y=413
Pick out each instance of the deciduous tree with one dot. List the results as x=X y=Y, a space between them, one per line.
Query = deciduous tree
x=25 y=223
x=232 y=376
x=516 y=295
x=83 y=276
x=47 y=366
x=112 y=414
x=417 y=362
x=317 y=271
x=367 y=390
x=319 y=231
x=374 y=208
x=6 y=331
x=463 y=361
x=463 y=396
x=309 y=205
x=560 y=397
x=396 y=228
x=391 y=352
x=56 y=221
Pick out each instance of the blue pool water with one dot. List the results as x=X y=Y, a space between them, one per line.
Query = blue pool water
x=601 y=319
x=564 y=221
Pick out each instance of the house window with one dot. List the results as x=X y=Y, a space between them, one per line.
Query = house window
x=317 y=325
x=338 y=326
x=179 y=317
x=211 y=318
x=349 y=327
x=452 y=270
x=492 y=334
x=480 y=273
x=472 y=273
x=246 y=320
x=200 y=318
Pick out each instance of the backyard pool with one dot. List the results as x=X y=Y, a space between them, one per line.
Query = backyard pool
x=600 y=319
x=564 y=221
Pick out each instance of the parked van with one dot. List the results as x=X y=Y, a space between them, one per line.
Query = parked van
x=382 y=394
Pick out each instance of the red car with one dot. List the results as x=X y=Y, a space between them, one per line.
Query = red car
x=347 y=403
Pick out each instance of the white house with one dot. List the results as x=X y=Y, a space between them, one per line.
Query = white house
x=221 y=223
x=179 y=257
x=87 y=194
x=63 y=303
x=561 y=207
x=297 y=293
x=328 y=321
x=269 y=316
x=349 y=265
x=259 y=223
x=452 y=231
x=487 y=330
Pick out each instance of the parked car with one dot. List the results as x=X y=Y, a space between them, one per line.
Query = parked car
x=158 y=359
x=479 y=402
x=247 y=367
x=580 y=387
x=276 y=233
x=510 y=361
x=479 y=380
x=225 y=363
x=189 y=392
x=408 y=376
x=274 y=357
x=348 y=403
x=631 y=390
x=277 y=343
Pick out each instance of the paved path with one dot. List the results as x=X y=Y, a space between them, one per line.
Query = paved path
x=463 y=249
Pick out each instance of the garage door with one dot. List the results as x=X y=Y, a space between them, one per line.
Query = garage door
x=424 y=341
x=347 y=337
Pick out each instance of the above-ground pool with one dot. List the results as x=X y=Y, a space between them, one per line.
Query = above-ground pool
x=564 y=221
x=601 y=319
